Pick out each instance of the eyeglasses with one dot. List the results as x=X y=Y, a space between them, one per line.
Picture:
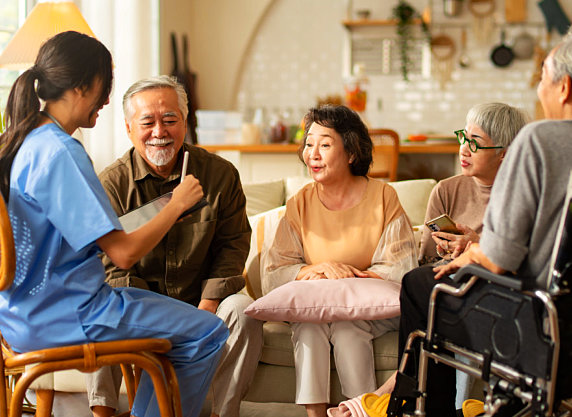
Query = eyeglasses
x=473 y=146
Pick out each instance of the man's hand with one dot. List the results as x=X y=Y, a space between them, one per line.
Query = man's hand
x=209 y=305
x=472 y=255
x=452 y=266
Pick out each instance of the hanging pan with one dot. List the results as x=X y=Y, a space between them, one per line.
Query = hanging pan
x=502 y=55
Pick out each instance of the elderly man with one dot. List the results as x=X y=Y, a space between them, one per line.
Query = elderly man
x=519 y=230
x=201 y=259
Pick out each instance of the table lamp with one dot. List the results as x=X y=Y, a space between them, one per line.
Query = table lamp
x=46 y=19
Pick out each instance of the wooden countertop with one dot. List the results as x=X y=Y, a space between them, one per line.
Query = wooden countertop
x=427 y=147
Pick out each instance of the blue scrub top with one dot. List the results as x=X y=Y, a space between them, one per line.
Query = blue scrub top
x=58 y=209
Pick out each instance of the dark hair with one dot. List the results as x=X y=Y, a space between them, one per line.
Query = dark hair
x=66 y=61
x=349 y=126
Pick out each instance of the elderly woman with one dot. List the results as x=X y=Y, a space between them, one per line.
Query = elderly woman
x=342 y=225
x=489 y=130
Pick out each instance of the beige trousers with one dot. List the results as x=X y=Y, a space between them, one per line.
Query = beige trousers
x=234 y=373
x=353 y=356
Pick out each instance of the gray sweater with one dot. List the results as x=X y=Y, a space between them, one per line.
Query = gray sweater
x=527 y=199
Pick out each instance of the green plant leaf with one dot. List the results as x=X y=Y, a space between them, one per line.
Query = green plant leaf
x=404 y=13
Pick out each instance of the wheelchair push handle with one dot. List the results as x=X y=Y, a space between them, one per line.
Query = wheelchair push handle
x=468 y=271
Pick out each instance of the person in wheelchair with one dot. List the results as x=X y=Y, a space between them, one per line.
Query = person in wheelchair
x=519 y=232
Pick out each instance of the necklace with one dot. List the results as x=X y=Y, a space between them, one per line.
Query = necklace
x=53 y=119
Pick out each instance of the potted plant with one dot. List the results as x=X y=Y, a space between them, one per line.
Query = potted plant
x=405 y=14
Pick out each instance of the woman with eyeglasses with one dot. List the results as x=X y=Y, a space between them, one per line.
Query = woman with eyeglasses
x=489 y=130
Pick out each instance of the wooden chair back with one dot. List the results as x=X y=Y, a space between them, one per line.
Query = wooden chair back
x=7 y=252
x=24 y=368
x=385 y=154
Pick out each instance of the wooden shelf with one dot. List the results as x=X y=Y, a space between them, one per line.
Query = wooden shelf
x=350 y=24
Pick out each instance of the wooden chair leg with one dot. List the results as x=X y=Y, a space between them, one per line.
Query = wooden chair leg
x=44 y=402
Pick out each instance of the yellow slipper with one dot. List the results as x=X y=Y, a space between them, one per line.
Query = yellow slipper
x=473 y=408
x=374 y=405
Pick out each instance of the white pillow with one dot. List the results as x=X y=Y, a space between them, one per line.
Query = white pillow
x=263 y=230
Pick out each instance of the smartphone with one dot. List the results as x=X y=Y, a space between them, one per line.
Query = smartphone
x=443 y=223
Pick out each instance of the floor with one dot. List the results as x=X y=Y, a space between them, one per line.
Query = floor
x=75 y=404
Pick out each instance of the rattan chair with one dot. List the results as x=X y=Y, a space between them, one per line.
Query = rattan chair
x=385 y=153
x=21 y=369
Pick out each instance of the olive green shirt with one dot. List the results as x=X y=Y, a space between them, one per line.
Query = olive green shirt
x=203 y=255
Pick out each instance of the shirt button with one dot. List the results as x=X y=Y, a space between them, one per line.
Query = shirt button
x=171 y=252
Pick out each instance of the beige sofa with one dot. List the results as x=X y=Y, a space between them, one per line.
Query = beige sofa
x=275 y=377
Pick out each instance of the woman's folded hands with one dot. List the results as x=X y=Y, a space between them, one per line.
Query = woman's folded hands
x=332 y=270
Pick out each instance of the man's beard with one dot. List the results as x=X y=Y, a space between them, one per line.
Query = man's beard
x=159 y=156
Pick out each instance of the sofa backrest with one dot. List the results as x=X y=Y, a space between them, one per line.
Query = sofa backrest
x=413 y=196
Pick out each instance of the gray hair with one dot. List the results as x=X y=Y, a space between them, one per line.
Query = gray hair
x=499 y=121
x=151 y=83
x=562 y=58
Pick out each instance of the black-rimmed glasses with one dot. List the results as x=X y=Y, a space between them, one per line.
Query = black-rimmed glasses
x=473 y=145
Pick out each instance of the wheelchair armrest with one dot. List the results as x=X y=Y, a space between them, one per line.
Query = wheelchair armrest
x=505 y=280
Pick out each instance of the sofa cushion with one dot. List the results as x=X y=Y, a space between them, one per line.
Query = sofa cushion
x=263 y=230
x=413 y=196
x=325 y=300
x=278 y=349
x=263 y=196
x=294 y=184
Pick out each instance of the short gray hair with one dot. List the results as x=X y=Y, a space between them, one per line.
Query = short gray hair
x=151 y=83
x=499 y=121
x=562 y=58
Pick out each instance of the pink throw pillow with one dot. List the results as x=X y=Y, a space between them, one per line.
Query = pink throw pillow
x=327 y=300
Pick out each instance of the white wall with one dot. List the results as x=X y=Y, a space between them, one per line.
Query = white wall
x=291 y=68
x=219 y=33
x=130 y=29
x=283 y=54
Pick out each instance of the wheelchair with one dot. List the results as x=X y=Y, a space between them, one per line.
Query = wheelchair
x=499 y=329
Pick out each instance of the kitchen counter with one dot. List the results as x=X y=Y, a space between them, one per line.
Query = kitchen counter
x=266 y=162
x=427 y=147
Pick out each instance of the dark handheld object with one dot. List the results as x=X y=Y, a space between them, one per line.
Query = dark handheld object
x=188 y=79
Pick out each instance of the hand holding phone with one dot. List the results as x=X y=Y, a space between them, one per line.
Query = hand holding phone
x=443 y=223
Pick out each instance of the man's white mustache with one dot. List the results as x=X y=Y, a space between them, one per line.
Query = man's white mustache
x=159 y=142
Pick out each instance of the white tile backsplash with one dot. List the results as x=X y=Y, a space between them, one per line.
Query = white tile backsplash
x=299 y=54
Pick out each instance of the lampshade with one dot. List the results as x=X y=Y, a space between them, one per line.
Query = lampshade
x=44 y=21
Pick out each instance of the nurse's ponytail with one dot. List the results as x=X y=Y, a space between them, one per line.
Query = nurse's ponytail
x=65 y=61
